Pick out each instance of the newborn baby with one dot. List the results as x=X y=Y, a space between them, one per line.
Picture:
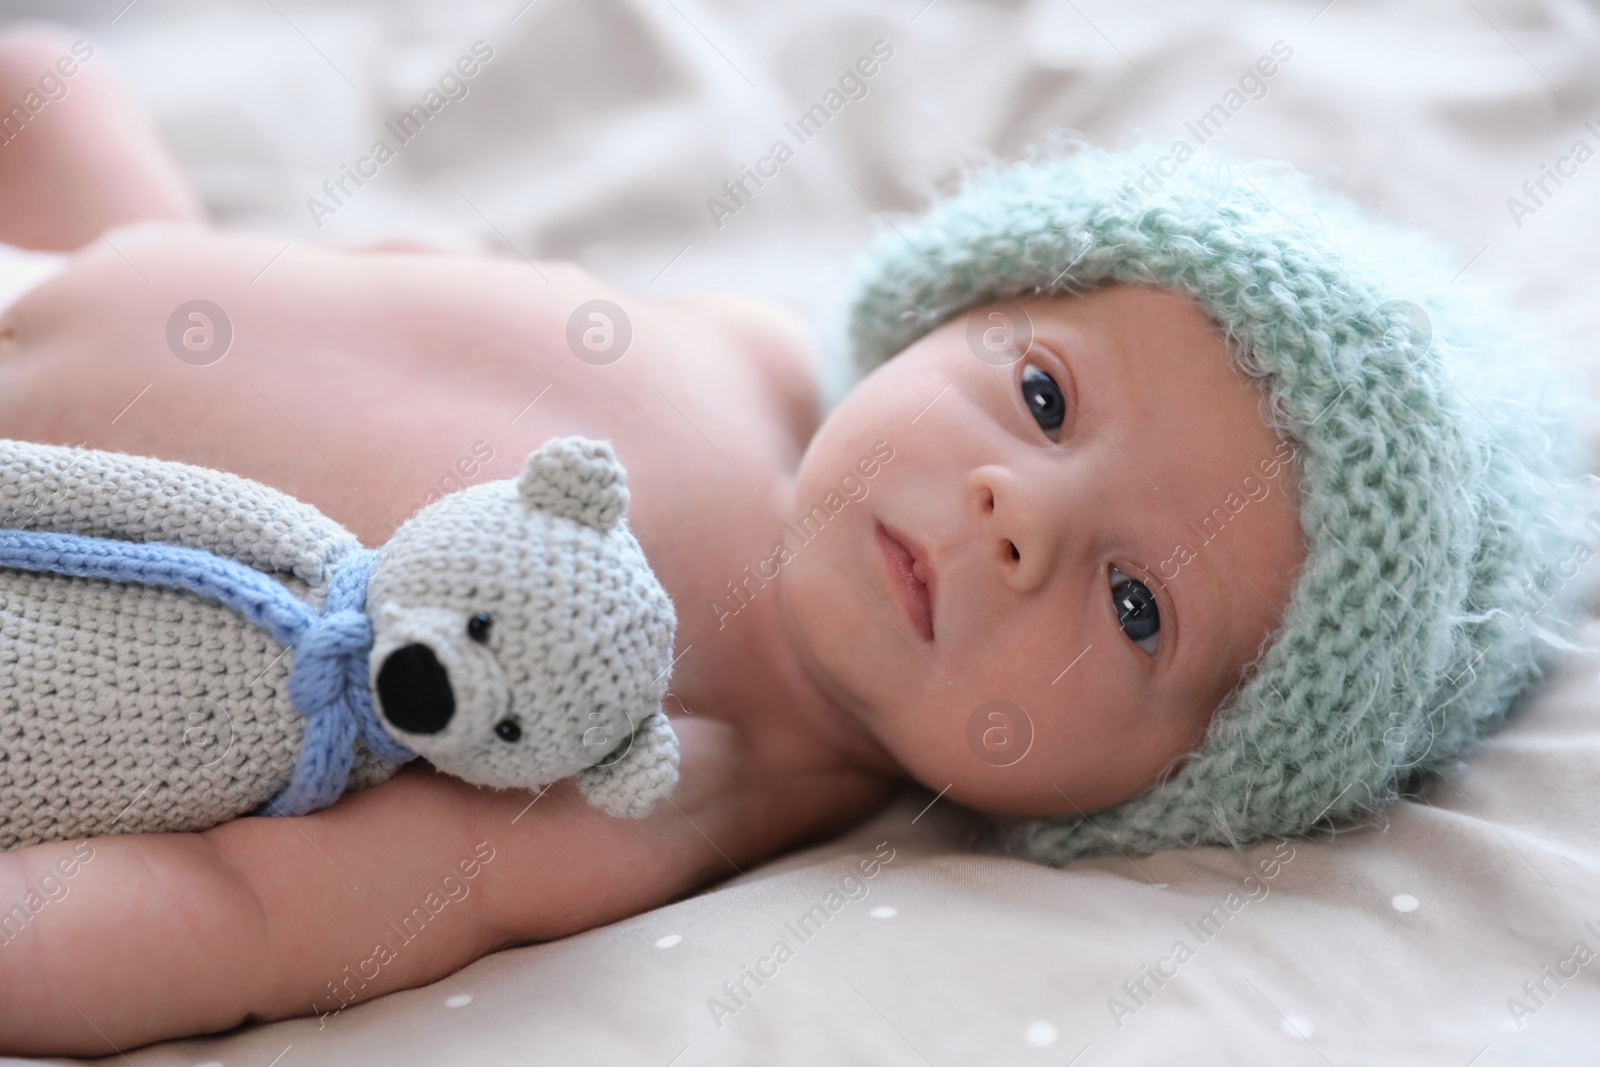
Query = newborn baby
x=1024 y=562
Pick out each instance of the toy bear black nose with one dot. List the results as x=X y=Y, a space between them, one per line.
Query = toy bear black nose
x=414 y=689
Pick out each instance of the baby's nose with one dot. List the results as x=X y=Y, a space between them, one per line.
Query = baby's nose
x=414 y=690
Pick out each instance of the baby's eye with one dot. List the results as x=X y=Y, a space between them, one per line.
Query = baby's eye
x=1044 y=399
x=1136 y=611
x=478 y=627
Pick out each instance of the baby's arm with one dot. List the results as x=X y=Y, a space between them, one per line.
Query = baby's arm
x=165 y=935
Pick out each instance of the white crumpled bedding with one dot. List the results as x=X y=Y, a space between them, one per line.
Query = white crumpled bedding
x=597 y=131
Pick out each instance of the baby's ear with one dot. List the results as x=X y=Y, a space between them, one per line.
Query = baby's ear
x=578 y=478
x=630 y=786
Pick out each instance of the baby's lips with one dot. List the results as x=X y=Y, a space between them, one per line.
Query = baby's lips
x=914 y=562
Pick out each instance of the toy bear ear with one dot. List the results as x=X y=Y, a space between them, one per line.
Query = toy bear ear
x=629 y=787
x=578 y=478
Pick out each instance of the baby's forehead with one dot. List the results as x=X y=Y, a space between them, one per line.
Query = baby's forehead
x=1126 y=311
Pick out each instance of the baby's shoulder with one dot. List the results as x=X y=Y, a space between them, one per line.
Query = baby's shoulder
x=780 y=348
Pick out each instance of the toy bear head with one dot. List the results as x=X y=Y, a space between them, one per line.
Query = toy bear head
x=520 y=636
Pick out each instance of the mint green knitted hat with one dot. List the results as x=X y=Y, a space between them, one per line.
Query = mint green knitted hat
x=1443 y=494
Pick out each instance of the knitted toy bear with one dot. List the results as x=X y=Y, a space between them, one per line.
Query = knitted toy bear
x=181 y=646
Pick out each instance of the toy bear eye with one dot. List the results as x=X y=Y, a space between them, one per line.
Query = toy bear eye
x=507 y=730
x=478 y=627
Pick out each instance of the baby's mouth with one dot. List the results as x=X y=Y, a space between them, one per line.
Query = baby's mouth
x=911 y=575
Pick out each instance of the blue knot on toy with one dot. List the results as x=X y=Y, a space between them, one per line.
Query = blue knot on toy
x=328 y=679
x=328 y=684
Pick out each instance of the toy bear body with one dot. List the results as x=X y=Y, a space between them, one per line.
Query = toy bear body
x=512 y=633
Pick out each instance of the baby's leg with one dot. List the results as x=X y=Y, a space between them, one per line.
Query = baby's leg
x=83 y=162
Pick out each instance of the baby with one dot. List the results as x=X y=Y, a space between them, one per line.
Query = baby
x=1171 y=520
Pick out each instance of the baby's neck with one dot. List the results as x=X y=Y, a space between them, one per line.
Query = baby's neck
x=834 y=724
x=752 y=674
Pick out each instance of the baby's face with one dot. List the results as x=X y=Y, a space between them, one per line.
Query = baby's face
x=1047 y=590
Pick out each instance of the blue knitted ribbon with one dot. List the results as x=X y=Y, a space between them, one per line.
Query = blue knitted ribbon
x=328 y=675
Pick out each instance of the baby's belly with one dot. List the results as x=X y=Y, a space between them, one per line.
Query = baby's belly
x=364 y=384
